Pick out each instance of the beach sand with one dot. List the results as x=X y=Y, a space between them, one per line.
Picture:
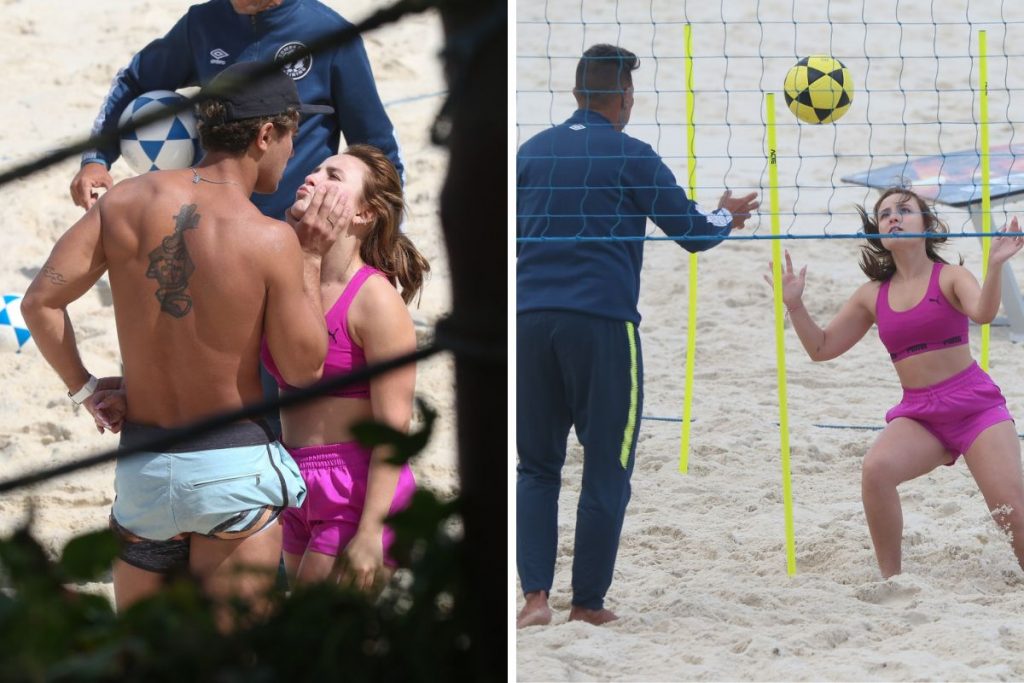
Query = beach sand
x=59 y=58
x=701 y=581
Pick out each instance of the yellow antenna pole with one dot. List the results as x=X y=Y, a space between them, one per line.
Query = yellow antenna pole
x=780 y=339
x=691 y=309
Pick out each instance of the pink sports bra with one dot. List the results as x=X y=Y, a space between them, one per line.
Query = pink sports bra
x=930 y=325
x=343 y=354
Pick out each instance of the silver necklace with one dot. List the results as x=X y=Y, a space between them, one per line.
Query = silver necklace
x=196 y=178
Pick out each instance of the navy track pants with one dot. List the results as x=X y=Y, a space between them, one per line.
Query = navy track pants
x=580 y=370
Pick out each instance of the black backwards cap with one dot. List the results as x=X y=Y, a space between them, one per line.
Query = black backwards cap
x=270 y=95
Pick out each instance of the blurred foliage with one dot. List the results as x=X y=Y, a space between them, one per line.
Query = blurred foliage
x=370 y=433
x=417 y=629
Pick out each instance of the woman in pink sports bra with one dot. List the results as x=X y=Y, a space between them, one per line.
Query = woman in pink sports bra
x=339 y=531
x=950 y=406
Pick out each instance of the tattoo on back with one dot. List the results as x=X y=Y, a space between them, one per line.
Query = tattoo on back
x=171 y=266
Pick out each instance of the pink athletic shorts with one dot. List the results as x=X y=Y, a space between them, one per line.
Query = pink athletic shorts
x=956 y=410
x=335 y=476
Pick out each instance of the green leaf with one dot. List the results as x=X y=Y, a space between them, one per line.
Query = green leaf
x=25 y=563
x=88 y=557
x=371 y=433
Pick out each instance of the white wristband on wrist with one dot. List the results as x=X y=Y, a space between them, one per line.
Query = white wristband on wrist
x=87 y=390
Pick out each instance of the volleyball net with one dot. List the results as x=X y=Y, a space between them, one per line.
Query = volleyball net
x=916 y=93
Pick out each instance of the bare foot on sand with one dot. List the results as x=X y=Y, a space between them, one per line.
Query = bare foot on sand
x=591 y=616
x=536 y=611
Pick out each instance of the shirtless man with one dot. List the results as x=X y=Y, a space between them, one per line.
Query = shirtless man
x=199 y=276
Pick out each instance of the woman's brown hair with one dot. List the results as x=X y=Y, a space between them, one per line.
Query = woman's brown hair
x=875 y=260
x=385 y=247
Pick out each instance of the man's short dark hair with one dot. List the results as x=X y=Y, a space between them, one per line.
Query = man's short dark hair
x=604 y=72
x=234 y=137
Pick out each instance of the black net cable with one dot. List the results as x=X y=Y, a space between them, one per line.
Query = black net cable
x=458 y=337
x=222 y=420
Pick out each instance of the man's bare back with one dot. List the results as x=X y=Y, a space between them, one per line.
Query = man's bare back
x=190 y=267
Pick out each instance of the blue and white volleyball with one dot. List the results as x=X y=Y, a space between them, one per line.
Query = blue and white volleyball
x=14 y=333
x=171 y=142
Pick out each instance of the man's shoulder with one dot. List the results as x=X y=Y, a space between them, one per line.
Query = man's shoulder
x=263 y=241
x=538 y=138
x=212 y=20
x=605 y=146
x=138 y=189
x=261 y=230
x=636 y=146
x=567 y=131
x=322 y=15
x=208 y=10
x=167 y=190
x=573 y=127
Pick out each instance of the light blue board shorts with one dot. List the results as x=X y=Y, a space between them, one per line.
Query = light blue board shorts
x=215 y=483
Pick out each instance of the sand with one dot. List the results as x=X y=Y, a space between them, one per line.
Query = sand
x=59 y=58
x=701 y=581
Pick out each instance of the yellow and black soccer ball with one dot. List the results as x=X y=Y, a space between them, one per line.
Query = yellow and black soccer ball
x=819 y=89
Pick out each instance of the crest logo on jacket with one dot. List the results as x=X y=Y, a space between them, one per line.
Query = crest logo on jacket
x=298 y=68
x=217 y=56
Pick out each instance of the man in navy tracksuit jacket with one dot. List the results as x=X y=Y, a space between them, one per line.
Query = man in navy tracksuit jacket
x=578 y=359
x=218 y=33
